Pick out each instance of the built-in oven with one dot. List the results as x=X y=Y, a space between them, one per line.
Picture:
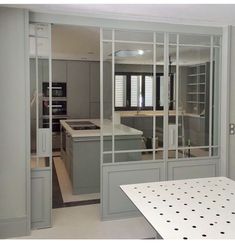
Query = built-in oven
x=59 y=89
x=55 y=123
x=58 y=107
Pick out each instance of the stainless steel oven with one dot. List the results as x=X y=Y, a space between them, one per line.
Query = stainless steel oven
x=58 y=107
x=55 y=123
x=59 y=89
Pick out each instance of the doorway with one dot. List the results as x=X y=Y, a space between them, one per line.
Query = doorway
x=161 y=150
x=64 y=75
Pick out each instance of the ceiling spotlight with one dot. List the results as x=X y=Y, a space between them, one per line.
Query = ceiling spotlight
x=128 y=53
x=140 y=52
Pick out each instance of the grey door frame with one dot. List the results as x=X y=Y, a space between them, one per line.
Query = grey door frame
x=153 y=26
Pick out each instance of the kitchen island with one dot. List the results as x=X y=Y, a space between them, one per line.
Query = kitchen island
x=80 y=150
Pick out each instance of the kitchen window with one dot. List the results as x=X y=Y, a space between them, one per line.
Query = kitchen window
x=135 y=91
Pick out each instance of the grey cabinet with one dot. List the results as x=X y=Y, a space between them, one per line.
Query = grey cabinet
x=94 y=90
x=78 y=89
x=59 y=71
x=94 y=82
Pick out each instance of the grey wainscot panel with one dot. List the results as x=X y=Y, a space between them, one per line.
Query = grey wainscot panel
x=40 y=198
x=188 y=169
x=115 y=203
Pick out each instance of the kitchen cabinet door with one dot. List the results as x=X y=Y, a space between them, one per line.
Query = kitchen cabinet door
x=59 y=71
x=94 y=82
x=78 y=90
x=107 y=85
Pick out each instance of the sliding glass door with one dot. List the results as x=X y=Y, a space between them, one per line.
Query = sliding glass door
x=159 y=110
x=41 y=124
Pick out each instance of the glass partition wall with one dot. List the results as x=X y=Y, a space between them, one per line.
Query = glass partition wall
x=159 y=96
x=41 y=107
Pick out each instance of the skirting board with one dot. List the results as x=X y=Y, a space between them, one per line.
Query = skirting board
x=14 y=227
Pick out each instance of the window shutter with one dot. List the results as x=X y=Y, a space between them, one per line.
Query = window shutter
x=136 y=90
x=148 y=91
x=120 y=90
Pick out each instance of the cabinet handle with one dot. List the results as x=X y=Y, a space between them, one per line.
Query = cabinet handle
x=56 y=106
x=55 y=87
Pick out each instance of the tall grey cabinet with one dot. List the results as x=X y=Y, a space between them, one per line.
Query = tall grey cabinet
x=78 y=89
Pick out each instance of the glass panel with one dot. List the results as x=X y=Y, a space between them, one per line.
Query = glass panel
x=215 y=97
x=159 y=133
x=215 y=151
x=107 y=80
x=107 y=34
x=193 y=152
x=39 y=73
x=194 y=73
x=159 y=97
x=39 y=162
x=148 y=91
x=195 y=39
x=136 y=90
x=133 y=156
x=159 y=77
x=107 y=100
x=43 y=47
x=135 y=128
x=137 y=135
x=127 y=35
x=172 y=125
x=217 y=41
x=33 y=95
x=120 y=90
x=42 y=30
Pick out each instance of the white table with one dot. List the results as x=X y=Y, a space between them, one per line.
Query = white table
x=187 y=209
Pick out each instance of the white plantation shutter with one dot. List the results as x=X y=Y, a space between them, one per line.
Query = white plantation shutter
x=135 y=90
x=120 y=90
x=148 y=91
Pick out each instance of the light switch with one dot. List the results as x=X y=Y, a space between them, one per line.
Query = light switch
x=231 y=129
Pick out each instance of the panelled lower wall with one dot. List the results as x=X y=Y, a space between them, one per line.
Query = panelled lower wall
x=117 y=205
x=14 y=121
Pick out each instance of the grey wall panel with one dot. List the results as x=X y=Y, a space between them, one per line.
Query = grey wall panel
x=41 y=198
x=116 y=204
x=193 y=169
x=94 y=110
x=59 y=71
x=15 y=124
x=78 y=88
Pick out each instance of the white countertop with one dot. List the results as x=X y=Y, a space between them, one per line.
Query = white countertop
x=119 y=129
x=158 y=113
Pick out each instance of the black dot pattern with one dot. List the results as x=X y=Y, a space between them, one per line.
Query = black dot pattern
x=190 y=204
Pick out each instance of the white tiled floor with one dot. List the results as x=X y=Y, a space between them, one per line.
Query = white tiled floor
x=83 y=222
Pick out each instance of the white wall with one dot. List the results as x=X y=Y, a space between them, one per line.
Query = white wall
x=14 y=167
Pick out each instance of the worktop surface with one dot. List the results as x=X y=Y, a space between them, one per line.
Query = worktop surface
x=119 y=129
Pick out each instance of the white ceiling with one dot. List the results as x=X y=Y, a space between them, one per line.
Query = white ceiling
x=212 y=14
